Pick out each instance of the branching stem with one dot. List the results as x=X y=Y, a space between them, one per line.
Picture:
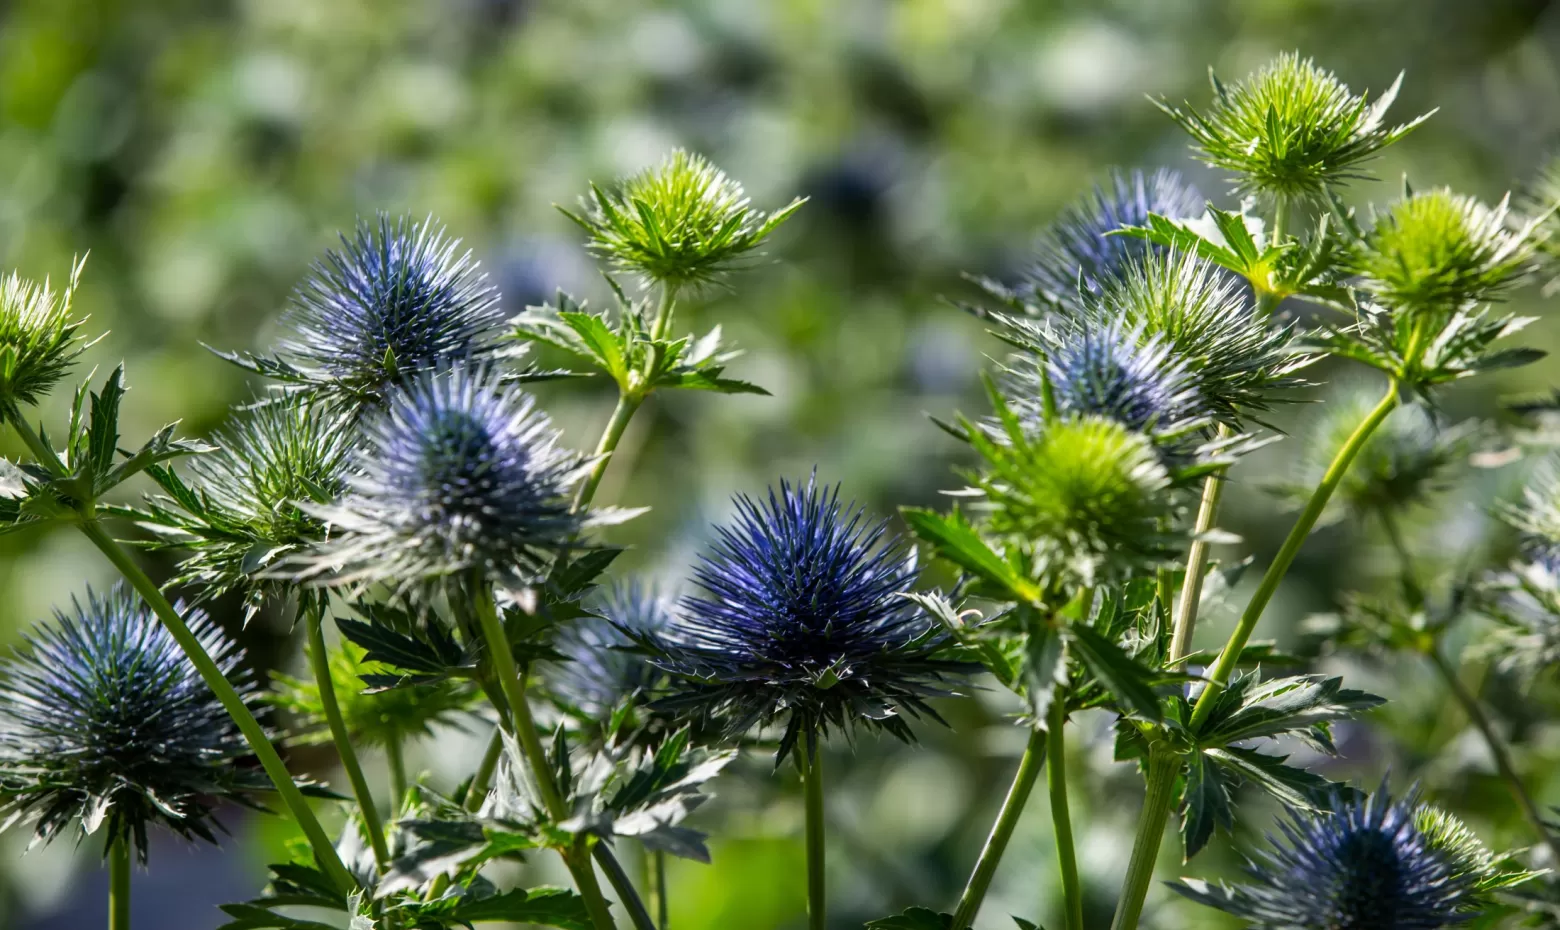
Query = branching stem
x=1061 y=816
x=1029 y=766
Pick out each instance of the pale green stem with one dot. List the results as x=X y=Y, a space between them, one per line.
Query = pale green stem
x=1061 y=817
x=1163 y=766
x=1408 y=580
x=476 y=792
x=395 y=760
x=623 y=886
x=319 y=663
x=1029 y=766
x=1196 y=567
x=119 y=885
x=812 y=789
x=658 y=891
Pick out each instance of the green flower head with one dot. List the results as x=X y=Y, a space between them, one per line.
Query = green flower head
x=681 y=223
x=1291 y=130
x=39 y=340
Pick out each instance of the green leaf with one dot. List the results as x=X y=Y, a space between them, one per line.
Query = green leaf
x=916 y=918
x=1045 y=667
x=1126 y=678
x=953 y=538
x=547 y=907
x=1301 y=706
x=433 y=652
x=1205 y=804
x=604 y=345
x=1294 y=787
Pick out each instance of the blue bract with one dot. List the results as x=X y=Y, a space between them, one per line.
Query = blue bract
x=1365 y=865
x=459 y=473
x=104 y=721
x=803 y=619
x=395 y=301
x=1111 y=374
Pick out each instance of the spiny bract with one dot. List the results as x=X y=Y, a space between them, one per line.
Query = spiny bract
x=1362 y=865
x=395 y=301
x=38 y=338
x=1077 y=254
x=602 y=668
x=104 y=721
x=803 y=620
x=459 y=473
x=1116 y=375
x=680 y=223
x=1291 y=130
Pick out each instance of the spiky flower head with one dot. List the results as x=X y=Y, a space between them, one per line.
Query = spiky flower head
x=602 y=668
x=39 y=339
x=680 y=223
x=1407 y=460
x=396 y=300
x=1291 y=130
x=803 y=621
x=1110 y=373
x=1077 y=253
x=1088 y=495
x=249 y=504
x=373 y=717
x=1436 y=251
x=1239 y=362
x=104 y=722
x=1366 y=864
x=460 y=473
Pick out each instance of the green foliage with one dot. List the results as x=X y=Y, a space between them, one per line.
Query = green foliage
x=1420 y=358
x=681 y=223
x=39 y=340
x=1291 y=130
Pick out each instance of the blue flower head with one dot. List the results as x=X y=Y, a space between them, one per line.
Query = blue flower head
x=104 y=722
x=1077 y=254
x=803 y=619
x=603 y=669
x=1368 y=864
x=459 y=473
x=396 y=300
x=1116 y=375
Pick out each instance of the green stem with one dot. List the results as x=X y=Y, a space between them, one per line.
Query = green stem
x=1413 y=592
x=658 y=891
x=319 y=663
x=1061 y=817
x=812 y=789
x=1163 y=766
x=578 y=861
x=476 y=792
x=1196 y=566
x=1280 y=219
x=1498 y=749
x=623 y=886
x=259 y=743
x=119 y=885
x=396 y=760
x=1225 y=666
x=1029 y=766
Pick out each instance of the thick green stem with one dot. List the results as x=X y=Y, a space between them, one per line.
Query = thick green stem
x=395 y=760
x=119 y=885
x=812 y=788
x=1498 y=749
x=1061 y=817
x=1196 y=566
x=623 y=886
x=578 y=861
x=1225 y=666
x=658 y=891
x=1029 y=766
x=1163 y=766
x=319 y=663
x=259 y=743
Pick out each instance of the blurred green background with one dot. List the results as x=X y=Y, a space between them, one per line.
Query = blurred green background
x=206 y=152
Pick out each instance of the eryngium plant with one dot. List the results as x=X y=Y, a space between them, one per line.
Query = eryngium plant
x=39 y=337
x=105 y=724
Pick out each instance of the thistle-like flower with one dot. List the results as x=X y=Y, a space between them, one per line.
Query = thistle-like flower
x=104 y=721
x=1407 y=460
x=39 y=339
x=373 y=718
x=250 y=508
x=395 y=301
x=1367 y=864
x=681 y=223
x=1077 y=253
x=603 y=670
x=1291 y=130
x=803 y=620
x=1112 y=374
x=1436 y=251
x=459 y=473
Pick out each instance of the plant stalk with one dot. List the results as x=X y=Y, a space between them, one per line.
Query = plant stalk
x=658 y=892
x=812 y=789
x=319 y=663
x=1061 y=817
x=1196 y=566
x=1498 y=749
x=395 y=759
x=623 y=886
x=1029 y=766
x=119 y=885
x=1225 y=666
x=1163 y=766
x=259 y=743
x=476 y=792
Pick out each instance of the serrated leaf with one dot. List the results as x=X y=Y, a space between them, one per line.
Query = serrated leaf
x=1294 y=787
x=1205 y=804
x=916 y=918
x=1126 y=678
x=955 y=539
x=1045 y=667
x=547 y=907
